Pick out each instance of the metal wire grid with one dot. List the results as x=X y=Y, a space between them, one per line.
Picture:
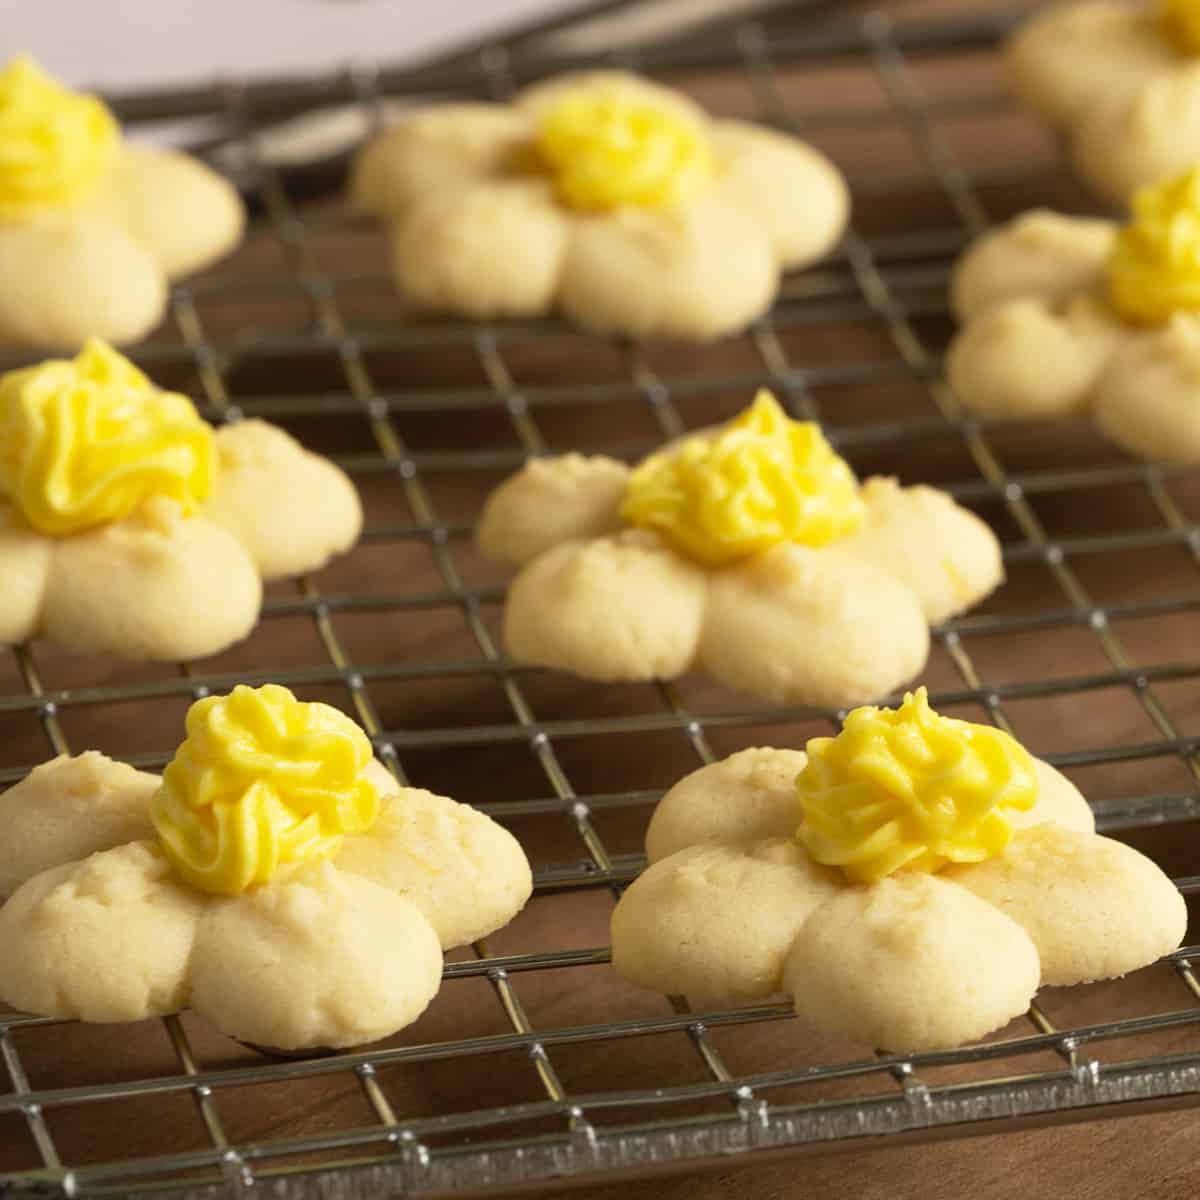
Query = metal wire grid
x=461 y=1152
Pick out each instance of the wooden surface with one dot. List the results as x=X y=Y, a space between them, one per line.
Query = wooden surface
x=433 y=692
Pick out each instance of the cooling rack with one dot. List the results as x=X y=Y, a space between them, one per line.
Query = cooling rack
x=535 y=1063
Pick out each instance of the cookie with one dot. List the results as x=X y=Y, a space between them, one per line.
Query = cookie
x=910 y=883
x=276 y=880
x=749 y=551
x=1115 y=309
x=1122 y=82
x=91 y=230
x=614 y=200
x=130 y=526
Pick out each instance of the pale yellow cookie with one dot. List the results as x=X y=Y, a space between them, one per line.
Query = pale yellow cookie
x=671 y=225
x=322 y=959
x=466 y=874
x=911 y=963
x=749 y=796
x=925 y=874
x=1039 y=253
x=801 y=626
x=551 y=500
x=921 y=537
x=159 y=585
x=1095 y=908
x=69 y=808
x=292 y=510
x=106 y=939
x=715 y=922
x=153 y=545
x=748 y=550
x=621 y=607
x=92 y=229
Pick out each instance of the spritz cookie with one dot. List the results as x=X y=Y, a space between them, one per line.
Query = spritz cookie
x=749 y=551
x=276 y=880
x=1064 y=316
x=130 y=526
x=614 y=200
x=92 y=230
x=910 y=882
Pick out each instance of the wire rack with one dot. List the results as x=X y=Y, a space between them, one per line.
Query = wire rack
x=535 y=1063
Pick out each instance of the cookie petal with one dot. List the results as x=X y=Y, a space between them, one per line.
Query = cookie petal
x=803 y=626
x=1040 y=253
x=716 y=922
x=550 y=501
x=1095 y=908
x=321 y=959
x=68 y=808
x=698 y=272
x=157 y=586
x=445 y=149
x=63 y=283
x=1147 y=399
x=292 y=510
x=1058 y=800
x=24 y=569
x=1073 y=58
x=918 y=535
x=1142 y=138
x=466 y=873
x=492 y=249
x=182 y=212
x=105 y=939
x=623 y=607
x=791 y=191
x=749 y=796
x=911 y=963
x=997 y=364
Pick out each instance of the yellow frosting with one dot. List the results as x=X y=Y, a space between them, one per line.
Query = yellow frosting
x=262 y=781
x=1154 y=266
x=1180 y=21
x=86 y=441
x=909 y=789
x=760 y=480
x=608 y=147
x=55 y=144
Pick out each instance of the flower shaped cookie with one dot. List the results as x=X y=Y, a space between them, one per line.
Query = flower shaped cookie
x=749 y=551
x=129 y=526
x=613 y=199
x=910 y=882
x=1123 y=82
x=1066 y=315
x=276 y=880
x=92 y=230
